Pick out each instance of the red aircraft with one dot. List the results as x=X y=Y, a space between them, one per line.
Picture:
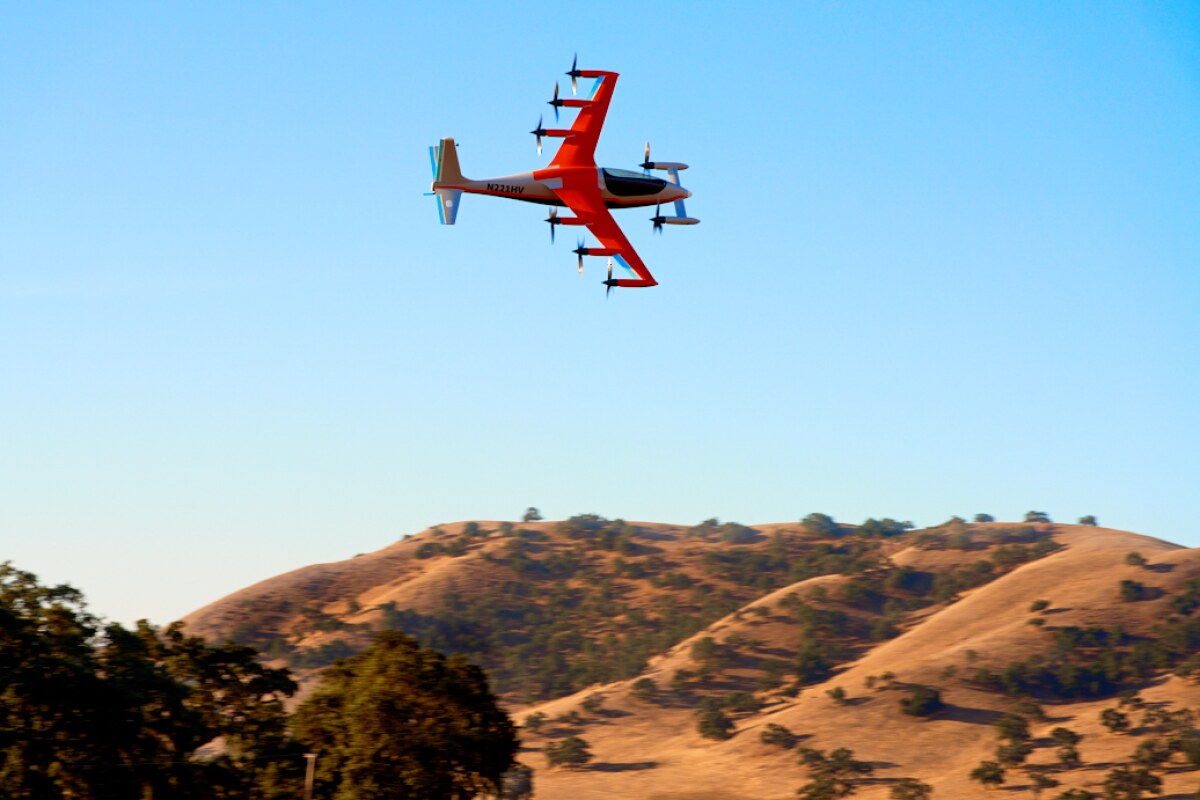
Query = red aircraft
x=572 y=179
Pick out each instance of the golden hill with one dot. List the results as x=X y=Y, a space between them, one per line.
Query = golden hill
x=890 y=612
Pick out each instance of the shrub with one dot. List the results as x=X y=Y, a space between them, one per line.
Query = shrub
x=988 y=773
x=1039 y=605
x=571 y=752
x=1128 y=783
x=1065 y=736
x=713 y=724
x=1132 y=591
x=778 y=735
x=1013 y=727
x=741 y=702
x=1013 y=753
x=1114 y=720
x=911 y=789
x=922 y=701
x=644 y=689
x=1135 y=559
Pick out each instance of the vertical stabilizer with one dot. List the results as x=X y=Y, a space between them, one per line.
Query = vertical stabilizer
x=446 y=174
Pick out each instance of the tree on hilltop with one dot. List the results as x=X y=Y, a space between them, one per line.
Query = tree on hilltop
x=820 y=525
x=531 y=515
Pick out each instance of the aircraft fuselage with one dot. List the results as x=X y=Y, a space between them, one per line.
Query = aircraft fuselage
x=618 y=188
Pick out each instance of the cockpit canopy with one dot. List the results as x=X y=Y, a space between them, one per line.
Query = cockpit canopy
x=625 y=183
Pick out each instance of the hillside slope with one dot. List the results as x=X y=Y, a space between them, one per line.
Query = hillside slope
x=766 y=623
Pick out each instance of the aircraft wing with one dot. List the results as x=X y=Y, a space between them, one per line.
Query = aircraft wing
x=579 y=146
x=589 y=207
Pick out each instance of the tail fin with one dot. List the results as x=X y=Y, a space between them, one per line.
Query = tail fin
x=444 y=159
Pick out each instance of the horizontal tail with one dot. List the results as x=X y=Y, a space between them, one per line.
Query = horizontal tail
x=446 y=174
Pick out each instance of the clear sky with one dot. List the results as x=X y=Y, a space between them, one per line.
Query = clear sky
x=949 y=263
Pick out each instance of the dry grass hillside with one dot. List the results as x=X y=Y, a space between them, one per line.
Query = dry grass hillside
x=821 y=630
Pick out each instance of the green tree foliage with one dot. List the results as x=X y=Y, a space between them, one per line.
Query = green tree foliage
x=712 y=723
x=1065 y=736
x=833 y=775
x=826 y=788
x=1115 y=721
x=1039 y=605
x=1037 y=516
x=644 y=689
x=531 y=515
x=984 y=518
x=592 y=703
x=1012 y=754
x=910 y=789
x=400 y=718
x=1039 y=781
x=1131 y=783
x=778 y=735
x=103 y=711
x=1013 y=728
x=1133 y=590
x=922 y=701
x=883 y=528
x=820 y=525
x=1135 y=559
x=1088 y=519
x=534 y=721
x=572 y=752
x=989 y=773
x=1152 y=753
x=1068 y=756
x=1076 y=794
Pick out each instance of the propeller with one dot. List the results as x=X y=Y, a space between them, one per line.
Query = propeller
x=647 y=162
x=555 y=102
x=581 y=251
x=610 y=282
x=539 y=131
x=657 y=219
x=553 y=220
x=574 y=73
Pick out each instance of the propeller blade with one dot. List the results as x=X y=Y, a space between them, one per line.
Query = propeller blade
x=579 y=251
x=608 y=284
x=658 y=218
x=553 y=220
x=573 y=73
x=554 y=102
x=538 y=133
x=646 y=160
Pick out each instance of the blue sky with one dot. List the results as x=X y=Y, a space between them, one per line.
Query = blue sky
x=948 y=264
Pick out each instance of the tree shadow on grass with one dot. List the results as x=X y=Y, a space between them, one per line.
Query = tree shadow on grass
x=972 y=716
x=622 y=766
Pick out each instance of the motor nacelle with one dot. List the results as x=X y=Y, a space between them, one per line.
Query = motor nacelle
x=679 y=220
x=663 y=165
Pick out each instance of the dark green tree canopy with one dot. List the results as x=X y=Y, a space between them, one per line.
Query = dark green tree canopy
x=400 y=720
x=101 y=711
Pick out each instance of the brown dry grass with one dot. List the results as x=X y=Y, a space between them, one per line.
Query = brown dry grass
x=653 y=751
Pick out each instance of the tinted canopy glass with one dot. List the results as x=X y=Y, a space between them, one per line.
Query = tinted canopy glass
x=625 y=183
